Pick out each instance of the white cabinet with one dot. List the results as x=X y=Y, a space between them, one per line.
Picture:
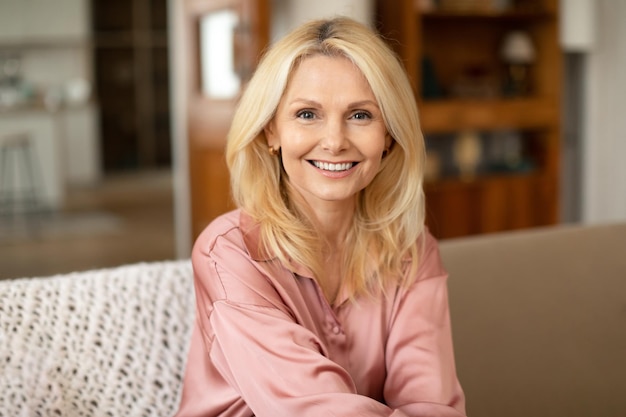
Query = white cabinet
x=42 y=127
x=43 y=20
x=64 y=150
x=11 y=20
x=50 y=38
x=57 y=18
x=80 y=152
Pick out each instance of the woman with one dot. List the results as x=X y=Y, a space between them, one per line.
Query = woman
x=323 y=294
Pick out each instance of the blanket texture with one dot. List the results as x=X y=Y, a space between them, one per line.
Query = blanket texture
x=110 y=342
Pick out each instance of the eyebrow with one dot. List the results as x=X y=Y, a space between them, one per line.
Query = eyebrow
x=314 y=103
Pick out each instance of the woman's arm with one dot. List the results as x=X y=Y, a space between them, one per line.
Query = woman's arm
x=421 y=376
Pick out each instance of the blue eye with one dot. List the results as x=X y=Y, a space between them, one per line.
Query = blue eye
x=362 y=115
x=305 y=114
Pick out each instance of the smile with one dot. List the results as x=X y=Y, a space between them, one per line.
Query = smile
x=344 y=166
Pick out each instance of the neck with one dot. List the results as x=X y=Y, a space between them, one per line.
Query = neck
x=334 y=226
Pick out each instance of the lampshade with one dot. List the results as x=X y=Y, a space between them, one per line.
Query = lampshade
x=517 y=48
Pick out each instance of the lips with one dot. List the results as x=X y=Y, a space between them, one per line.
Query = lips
x=329 y=166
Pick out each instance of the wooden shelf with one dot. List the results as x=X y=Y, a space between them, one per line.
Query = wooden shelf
x=441 y=116
x=507 y=15
x=454 y=55
x=479 y=181
x=489 y=204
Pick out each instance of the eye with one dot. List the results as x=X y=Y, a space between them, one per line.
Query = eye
x=305 y=114
x=361 y=115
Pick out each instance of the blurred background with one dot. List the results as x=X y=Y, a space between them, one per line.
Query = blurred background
x=113 y=116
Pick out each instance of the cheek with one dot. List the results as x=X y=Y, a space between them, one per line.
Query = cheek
x=291 y=157
x=375 y=146
x=295 y=143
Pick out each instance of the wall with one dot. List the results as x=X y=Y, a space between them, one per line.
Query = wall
x=287 y=14
x=604 y=149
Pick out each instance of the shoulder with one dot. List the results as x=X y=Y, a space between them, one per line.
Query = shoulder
x=429 y=276
x=226 y=266
x=429 y=260
x=226 y=226
x=234 y=229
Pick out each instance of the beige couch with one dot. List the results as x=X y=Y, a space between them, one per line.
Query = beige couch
x=539 y=321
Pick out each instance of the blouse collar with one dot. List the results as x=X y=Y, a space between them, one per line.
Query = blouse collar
x=251 y=232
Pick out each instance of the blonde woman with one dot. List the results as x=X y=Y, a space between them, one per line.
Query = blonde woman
x=323 y=294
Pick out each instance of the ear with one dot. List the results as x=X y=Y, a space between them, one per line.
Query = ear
x=271 y=136
x=389 y=141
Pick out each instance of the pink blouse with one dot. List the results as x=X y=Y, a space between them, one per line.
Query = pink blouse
x=267 y=343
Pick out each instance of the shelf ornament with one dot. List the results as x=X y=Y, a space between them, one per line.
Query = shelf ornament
x=518 y=53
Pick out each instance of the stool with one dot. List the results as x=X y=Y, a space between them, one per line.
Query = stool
x=20 y=184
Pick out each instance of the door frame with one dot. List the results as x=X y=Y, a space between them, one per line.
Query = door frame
x=180 y=147
x=181 y=75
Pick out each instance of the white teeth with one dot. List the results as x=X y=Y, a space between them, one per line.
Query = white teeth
x=333 y=167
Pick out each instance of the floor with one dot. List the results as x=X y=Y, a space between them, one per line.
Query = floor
x=127 y=218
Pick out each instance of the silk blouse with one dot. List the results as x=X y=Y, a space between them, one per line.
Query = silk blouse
x=267 y=343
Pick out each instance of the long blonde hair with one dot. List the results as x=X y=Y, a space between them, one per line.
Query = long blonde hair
x=389 y=216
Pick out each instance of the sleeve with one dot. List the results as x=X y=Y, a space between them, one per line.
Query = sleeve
x=276 y=365
x=422 y=378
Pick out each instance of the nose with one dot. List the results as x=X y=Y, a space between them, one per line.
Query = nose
x=334 y=139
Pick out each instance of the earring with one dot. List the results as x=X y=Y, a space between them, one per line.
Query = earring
x=385 y=152
x=272 y=151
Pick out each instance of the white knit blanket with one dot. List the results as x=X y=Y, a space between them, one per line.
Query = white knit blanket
x=109 y=342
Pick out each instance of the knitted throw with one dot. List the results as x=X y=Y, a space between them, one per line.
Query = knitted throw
x=109 y=342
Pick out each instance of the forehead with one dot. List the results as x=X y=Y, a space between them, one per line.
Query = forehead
x=320 y=72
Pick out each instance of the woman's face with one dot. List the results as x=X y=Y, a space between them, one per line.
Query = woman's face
x=330 y=131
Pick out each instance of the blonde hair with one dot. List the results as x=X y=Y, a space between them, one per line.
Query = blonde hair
x=389 y=217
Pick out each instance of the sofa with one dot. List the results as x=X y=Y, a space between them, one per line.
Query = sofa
x=539 y=326
x=539 y=321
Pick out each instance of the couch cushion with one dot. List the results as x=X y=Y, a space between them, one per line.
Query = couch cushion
x=110 y=342
x=539 y=321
